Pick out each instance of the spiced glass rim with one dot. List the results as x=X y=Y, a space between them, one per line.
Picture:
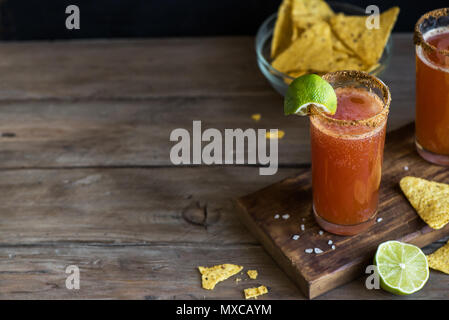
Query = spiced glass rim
x=432 y=18
x=369 y=82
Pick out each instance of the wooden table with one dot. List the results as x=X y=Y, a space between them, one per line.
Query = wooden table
x=86 y=177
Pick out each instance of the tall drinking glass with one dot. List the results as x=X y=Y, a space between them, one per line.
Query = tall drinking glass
x=432 y=86
x=347 y=153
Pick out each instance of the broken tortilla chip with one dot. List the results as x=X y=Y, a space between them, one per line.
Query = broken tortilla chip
x=255 y=292
x=275 y=135
x=311 y=51
x=211 y=276
x=283 y=29
x=256 y=116
x=368 y=44
x=430 y=199
x=439 y=260
x=252 y=274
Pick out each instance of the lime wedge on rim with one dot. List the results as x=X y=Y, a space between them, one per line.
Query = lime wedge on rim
x=402 y=267
x=308 y=90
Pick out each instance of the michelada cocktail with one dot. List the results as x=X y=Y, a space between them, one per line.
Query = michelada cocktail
x=348 y=113
x=432 y=86
x=347 y=153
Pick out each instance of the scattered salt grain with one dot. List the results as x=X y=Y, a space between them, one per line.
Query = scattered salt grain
x=406 y=168
x=333 y=247
x=303 y=227
x=318 y=250
x=320 y=232
x=308 y=250
x=303 y=219
x=379 y=219
x=285 y=216
x=295 y=237
x=330 y=242
x=277 y=216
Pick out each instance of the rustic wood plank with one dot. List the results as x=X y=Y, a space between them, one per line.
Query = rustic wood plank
x=220 y=66
x=317 y=274
x=137 y=133
x=124 y=132
x=134 y=206
x=160 y=272
x=131 y=133
x=192 y=67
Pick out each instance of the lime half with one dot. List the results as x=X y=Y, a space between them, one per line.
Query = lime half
x=402 y=267
x=308 y=90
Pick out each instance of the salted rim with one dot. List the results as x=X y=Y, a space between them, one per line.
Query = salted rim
x=369 y=81
x=418 y=36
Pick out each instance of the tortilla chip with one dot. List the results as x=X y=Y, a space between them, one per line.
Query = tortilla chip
x=211 y=276
x=306 y=12
x=294 y=74
x=339 y=46
x=283 y=29
x=439 y=260
x=368 y=44
x=255 y=292
x=347 y=63
x=371 y=68
x=311 y=51
x=430 y=199
x=252 y=274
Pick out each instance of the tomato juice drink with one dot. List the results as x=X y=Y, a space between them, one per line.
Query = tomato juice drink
x=347 y=152
x=432 y=86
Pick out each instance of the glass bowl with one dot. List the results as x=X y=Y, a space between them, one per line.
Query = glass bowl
x=278 y=79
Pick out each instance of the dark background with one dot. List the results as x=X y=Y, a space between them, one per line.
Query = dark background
x=45 y=19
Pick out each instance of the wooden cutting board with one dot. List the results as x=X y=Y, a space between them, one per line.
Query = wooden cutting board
x=316 y=274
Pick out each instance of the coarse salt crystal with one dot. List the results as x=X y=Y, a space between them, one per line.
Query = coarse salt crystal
x=308 y=250
x=329 y=242
x=303 y=227
x=320 y=232
x=295 y=237
x=285 y=216
x=406 y=168
x=333 y=247
x=276 y=216
x=379 y=219
x=318 y=250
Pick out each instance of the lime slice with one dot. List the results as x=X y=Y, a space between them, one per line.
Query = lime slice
x=402 y=267
x=309 y=90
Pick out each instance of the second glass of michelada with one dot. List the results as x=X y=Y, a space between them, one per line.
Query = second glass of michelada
x=432 y=86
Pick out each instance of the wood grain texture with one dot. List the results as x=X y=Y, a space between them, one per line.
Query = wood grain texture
x=158 y=271
x=106 y=103
x=85 y=176
x=130 y=68
x=126 y=205
x=316 y=274
x=187 y=67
